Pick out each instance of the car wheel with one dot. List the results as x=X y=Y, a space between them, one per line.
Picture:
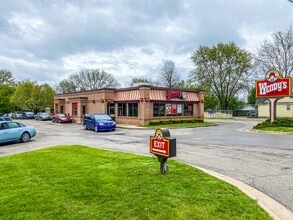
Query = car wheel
x=85 y=126
x=25 y=137
x=53 y=121
x=96 y=128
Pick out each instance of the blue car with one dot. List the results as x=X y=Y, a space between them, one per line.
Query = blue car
x=98 y=122
x=11 y=131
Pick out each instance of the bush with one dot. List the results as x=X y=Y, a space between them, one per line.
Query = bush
x=283 y=122
x=170 y=122
x=190 y=121
x=177 y=121
x=184 y=121
x=199 y=120
x=163 y=122
x=279 y=122
x=154 y=122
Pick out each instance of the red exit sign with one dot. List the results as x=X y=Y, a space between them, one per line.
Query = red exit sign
x=273 y=85
x=162 y=144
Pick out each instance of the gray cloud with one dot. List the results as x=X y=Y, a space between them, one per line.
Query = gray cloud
x=47 y=40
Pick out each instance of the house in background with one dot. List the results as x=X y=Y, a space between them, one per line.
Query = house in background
x=284 y=108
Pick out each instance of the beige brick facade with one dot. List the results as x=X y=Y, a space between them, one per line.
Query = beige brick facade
x=100 y=101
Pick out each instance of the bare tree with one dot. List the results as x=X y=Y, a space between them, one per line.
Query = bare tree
x=169 y=76
x=277 y=53
x=6 y=77
x=142 y=80
x=88 y=79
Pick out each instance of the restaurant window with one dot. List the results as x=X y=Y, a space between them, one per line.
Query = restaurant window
x=156 y=109
x=132 y=109
x=288 y=108
x=61 y=111
x=83 y=109
x=159 y=109
x=122 y=109
x=188 y=109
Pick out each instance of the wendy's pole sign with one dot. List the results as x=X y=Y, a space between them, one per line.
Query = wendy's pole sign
x=273 y=87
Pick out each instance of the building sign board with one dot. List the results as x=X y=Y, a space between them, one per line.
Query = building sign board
x=168 y=109
x=273 y=86
x=173 y=94
x=179 y=108
x=174 y=109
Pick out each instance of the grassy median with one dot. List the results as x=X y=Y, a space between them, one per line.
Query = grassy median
x=78 y=182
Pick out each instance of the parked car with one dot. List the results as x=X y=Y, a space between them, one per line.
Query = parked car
x=43 y=116
x=5 y=118
x=11 y=131
x=10 y=115
x=17 y=115
x=252 y=115
x=98 y=122
x=28 y=115
x=61 y=118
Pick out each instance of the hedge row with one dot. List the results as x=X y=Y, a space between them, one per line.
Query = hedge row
x=176 y=121
x=279 y=122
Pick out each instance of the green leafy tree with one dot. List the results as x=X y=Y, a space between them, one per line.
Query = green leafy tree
x=251 y=99
x=31 y=96
x=225 y=69
x=211 y=101
x=6 y=77
x=235 y=104
x=6 y=92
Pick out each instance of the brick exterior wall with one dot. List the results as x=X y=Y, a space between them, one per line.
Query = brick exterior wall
x=96 y=102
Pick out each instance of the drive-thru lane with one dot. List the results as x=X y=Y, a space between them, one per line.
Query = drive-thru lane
x=264 y=161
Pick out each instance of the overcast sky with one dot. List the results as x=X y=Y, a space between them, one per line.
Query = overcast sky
x=47 y=40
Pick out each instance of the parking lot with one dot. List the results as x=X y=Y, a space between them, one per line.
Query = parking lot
x=264 y=161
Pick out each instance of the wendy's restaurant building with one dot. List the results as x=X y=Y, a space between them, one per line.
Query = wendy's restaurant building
x=136 y=105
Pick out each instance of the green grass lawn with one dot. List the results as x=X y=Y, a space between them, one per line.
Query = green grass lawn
x=78 y=182
x=280 y=129
x=179 y=125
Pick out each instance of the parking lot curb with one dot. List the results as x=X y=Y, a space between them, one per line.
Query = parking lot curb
x=269 y=132
x=271 y=206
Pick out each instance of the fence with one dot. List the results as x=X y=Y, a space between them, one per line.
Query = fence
x=218 y=114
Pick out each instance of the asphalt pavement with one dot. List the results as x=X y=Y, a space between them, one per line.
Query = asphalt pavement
x=263 y=161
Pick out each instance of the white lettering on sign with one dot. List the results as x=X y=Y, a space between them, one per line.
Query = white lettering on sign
x=159 y=144
x=161 y=151
x=264 y=88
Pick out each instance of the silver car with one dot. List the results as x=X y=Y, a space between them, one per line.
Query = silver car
x=43 y=116
x=14 y=131
x=17 y=115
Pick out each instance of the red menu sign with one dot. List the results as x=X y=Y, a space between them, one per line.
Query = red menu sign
x=273 y=85
x=159 y=145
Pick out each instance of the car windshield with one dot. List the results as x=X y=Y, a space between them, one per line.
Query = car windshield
x=62 y=115
x=7 y=119
x=44 y=114
x=102 y=117
x=29 y=113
